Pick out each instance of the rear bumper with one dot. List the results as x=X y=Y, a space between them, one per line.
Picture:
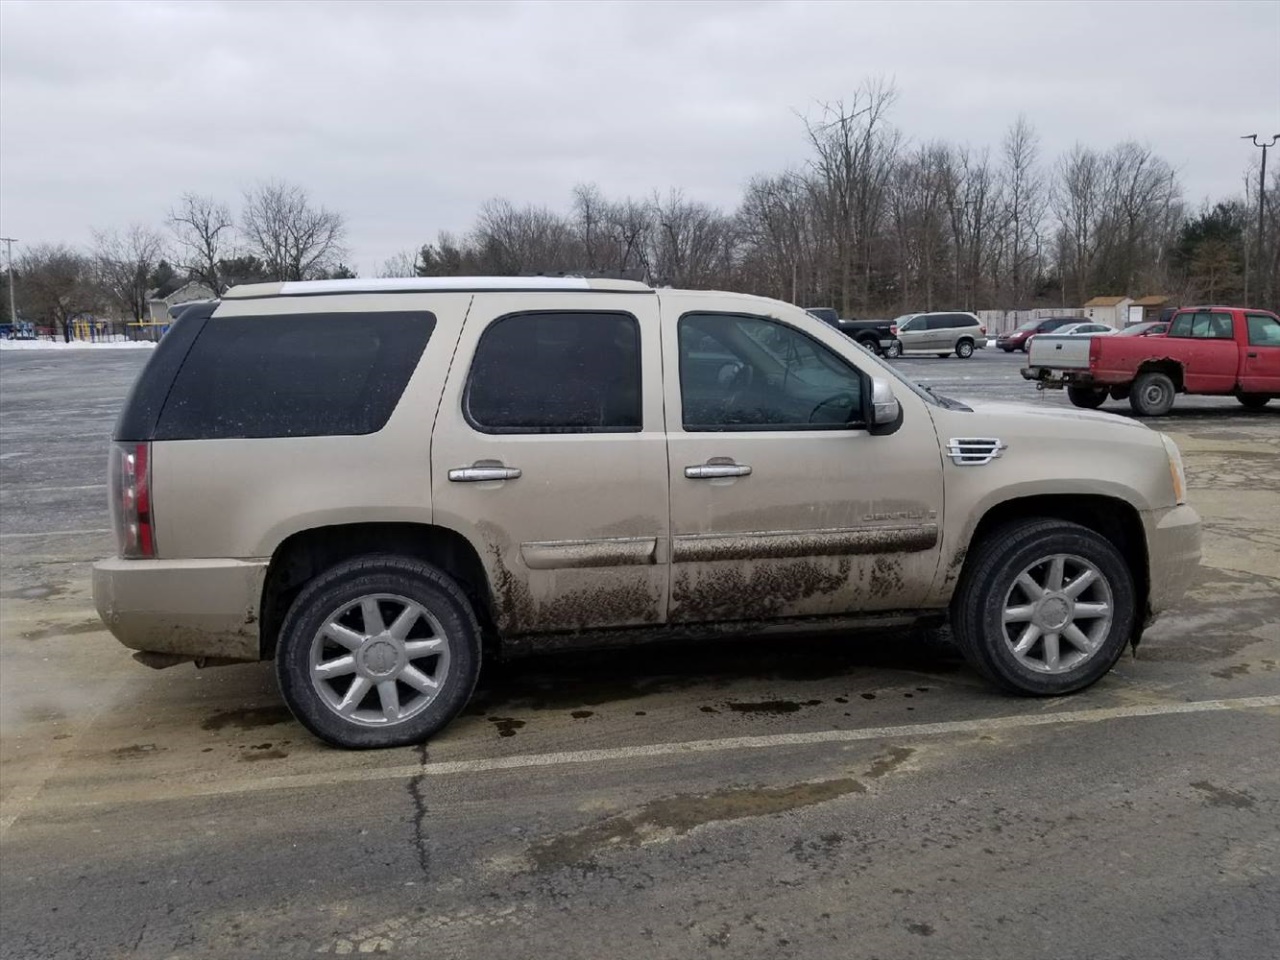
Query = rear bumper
x=1173 y=545
x=196 y=608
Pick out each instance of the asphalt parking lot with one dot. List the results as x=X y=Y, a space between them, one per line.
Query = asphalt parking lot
x=853 y=798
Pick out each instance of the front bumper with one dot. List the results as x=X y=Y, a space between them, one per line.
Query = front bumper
x=195 y=608
x=1173 y=546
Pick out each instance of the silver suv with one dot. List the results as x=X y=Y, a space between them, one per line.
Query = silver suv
x=941 y=333
x=375 y=482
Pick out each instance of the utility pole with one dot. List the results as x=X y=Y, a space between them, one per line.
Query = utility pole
x=1264 y=284
x=13 y=313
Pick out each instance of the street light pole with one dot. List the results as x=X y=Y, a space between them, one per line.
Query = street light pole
x=1263 y=272
x=13 y=313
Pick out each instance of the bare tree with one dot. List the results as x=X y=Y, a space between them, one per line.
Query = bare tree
x=1077 y=199
x=57 y=285
x=125 y=264
x=293 y=238
x=204 y=230
x=1024 y=205
x=402 y=264
x=853 y=153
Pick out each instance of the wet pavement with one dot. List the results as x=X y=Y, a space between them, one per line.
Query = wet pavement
x=862 y=796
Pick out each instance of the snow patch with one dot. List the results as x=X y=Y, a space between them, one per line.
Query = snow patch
x=76 y=345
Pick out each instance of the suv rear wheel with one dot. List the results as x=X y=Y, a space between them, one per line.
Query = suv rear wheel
x=964 y=349
x=379 y=651
x=1045 y=609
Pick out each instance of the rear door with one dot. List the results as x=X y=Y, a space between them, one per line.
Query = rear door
x=1260 y=366
x=548 y=454
x=783 y=504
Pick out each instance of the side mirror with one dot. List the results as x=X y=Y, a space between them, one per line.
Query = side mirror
x=885 y=409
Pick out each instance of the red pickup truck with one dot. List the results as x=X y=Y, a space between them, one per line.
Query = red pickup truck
x=1208 y=350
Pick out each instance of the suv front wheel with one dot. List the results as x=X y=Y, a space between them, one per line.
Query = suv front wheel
x=379 y=651
x=1045 y=608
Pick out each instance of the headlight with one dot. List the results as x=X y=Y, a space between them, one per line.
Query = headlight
x=1176 y=470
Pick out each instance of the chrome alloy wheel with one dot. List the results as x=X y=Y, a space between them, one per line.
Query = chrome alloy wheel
x=379 y=660
x=1057 y=614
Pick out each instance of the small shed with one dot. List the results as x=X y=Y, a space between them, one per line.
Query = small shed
x=1148 y=308
x=1113 y=311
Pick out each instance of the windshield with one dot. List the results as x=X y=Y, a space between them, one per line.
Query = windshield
x=1029 y=325
x=904 y=318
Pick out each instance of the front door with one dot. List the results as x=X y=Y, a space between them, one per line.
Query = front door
x=1260 y=368
x=782 y=502
x=548 y=455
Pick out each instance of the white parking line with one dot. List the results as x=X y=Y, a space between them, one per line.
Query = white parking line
x=220 y=787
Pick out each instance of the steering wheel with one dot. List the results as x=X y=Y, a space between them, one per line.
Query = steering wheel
x=847 y=398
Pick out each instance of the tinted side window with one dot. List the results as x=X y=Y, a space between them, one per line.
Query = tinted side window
x=294 y=376
x=1207 y=326
x=1264 y=331
x=962 y=320
x=1182 y=325
x=751 y=373
x=938 y=323
x=556 y=373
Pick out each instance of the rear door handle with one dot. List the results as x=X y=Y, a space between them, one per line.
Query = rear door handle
x=483 y=470
x=715 y=469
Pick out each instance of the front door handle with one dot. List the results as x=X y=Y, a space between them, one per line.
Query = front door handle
x=716 y=468
x=1252 y=356
x=483 y=470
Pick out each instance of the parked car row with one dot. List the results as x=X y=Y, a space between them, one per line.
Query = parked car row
x=943 y=333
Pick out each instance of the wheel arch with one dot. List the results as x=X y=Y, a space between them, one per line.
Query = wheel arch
x=303 y=555
x=1170 y=368
x=1111 y=517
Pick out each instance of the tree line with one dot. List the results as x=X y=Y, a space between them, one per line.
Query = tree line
x=278 y=233
x=874 y=224
x=867 y=221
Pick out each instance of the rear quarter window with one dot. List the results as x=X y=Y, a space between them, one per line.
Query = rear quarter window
x=305 y=375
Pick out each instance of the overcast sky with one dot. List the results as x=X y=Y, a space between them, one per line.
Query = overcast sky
x=405 y=117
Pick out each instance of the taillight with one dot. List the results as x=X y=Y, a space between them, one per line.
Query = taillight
x=1095 y=349
x=893 y=329
x=982 y=331
x=131 y=500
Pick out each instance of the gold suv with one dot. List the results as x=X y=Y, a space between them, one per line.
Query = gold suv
x=373 y=481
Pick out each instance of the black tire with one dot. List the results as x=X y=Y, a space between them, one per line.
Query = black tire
x=943 y=356
x=1152 y=394
x=964 y=349
x=1254 y=401
x=870 y=343
x=345 y=584
x=977 y=611
x=1087 y=397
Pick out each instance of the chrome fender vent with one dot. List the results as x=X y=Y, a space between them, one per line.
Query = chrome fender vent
x=974 y=451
